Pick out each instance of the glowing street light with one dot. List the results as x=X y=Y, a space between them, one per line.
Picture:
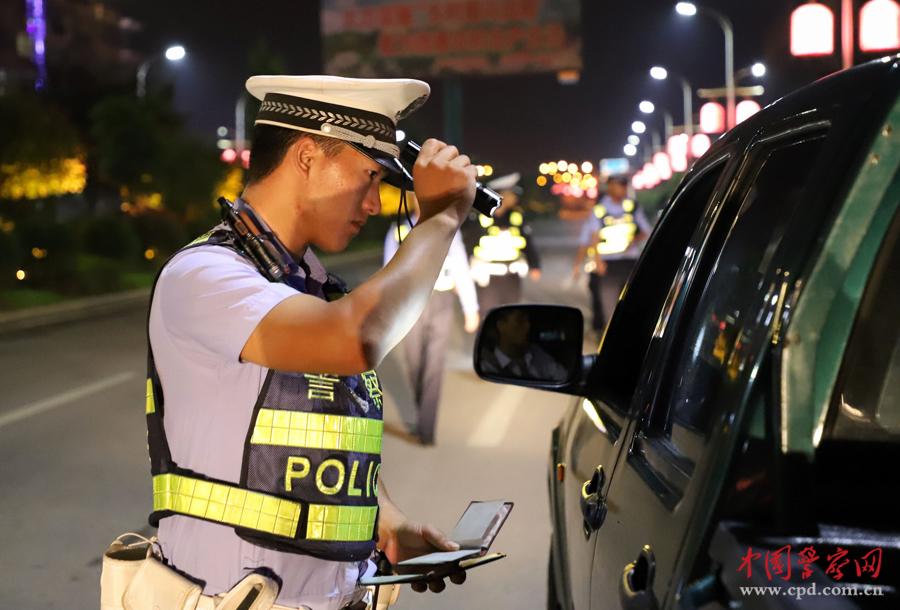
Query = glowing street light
x=700 y=143
x=688 y=9
x=712 y=118
x=758 y=69
x=747 y=109
x=638 y=127
x=630 y=150
x=647 y=107
x=663 y=165
x=879 y=26
x=634 y=140
x=812 y=30
x=659 y=73
x=174 y=53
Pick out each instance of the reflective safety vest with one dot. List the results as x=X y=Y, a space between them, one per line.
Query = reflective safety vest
x=309 y=474
x=501 y=244
x=616 y=234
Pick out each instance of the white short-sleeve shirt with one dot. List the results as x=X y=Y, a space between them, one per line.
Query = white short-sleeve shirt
x=207 y=302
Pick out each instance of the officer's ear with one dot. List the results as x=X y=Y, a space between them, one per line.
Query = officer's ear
x=303 y=153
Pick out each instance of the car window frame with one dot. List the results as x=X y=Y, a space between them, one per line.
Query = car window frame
x=651 y=451
x=721 y=162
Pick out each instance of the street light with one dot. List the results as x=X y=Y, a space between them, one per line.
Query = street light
x=688 y=9
x=646 y=107
x=687 y=95
x=757 y=70
x=638 y=127
x=630 y=150
x=634 y=140
x=173 y=53
x=659 y=73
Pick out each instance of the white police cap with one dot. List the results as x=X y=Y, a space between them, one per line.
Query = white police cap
x=361 y=111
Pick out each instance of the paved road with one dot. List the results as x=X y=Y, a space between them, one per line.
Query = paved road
x=75 y=472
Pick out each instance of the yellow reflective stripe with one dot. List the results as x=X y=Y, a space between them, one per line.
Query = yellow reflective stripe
x=151 y=403
x=515 y=218
x=226 y=504
x=317 y=431
x=341 y=523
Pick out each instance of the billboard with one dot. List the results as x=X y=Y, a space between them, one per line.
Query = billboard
x=407 y=38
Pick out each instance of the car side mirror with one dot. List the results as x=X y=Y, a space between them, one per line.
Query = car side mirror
x=538 y=346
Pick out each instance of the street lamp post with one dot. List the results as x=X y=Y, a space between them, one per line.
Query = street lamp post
x=687 y=95
x=690 y=9
x=173 y=53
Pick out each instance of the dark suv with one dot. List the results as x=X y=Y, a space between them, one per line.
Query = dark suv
x=735 y=441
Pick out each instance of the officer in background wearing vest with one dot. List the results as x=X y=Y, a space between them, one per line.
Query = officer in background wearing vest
x=263 y=408
x=425 y=346
x=505 y=252
x=609 y=246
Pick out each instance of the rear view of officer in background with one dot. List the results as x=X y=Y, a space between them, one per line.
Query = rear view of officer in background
x=425 y=347
x=263 y=410
x=505 y=252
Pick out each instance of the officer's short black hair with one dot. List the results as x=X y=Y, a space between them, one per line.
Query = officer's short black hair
x=623 y=180
x=271 y=143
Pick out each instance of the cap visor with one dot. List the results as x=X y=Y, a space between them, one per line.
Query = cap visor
x=397 y=175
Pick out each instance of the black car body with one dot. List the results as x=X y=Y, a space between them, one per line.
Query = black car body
x=739 y=425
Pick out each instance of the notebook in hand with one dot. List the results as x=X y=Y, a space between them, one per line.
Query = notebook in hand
x=474 y=532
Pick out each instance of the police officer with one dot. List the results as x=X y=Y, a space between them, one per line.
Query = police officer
x=425 y=347
x=263 y=410
x=609 y=246
x=505 y=251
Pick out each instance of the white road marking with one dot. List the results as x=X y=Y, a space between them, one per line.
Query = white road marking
x=59 y=400
x=492 y=428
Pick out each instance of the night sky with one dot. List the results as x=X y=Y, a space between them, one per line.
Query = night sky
x=512 y=122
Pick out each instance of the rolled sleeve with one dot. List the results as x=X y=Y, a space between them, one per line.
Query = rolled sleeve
x=213 y=299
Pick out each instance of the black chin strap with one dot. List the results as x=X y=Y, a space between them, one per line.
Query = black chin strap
x=403 y=208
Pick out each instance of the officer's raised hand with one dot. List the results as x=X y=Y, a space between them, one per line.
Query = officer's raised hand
x=444 y=181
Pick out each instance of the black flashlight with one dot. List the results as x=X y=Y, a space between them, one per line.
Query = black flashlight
x=486 y=200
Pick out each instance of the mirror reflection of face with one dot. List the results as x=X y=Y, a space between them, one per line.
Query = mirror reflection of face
x=513 y=329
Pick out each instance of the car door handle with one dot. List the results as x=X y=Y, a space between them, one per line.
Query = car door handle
x=636 y=586
x=593 y=506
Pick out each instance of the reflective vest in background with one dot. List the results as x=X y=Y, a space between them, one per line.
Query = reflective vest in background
x=309 y=474
x=616 y=234
x=445 y=279
x=501 y=250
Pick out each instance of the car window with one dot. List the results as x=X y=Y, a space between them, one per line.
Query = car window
x=708 y=350
x=866 y=401
x=626 y=341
